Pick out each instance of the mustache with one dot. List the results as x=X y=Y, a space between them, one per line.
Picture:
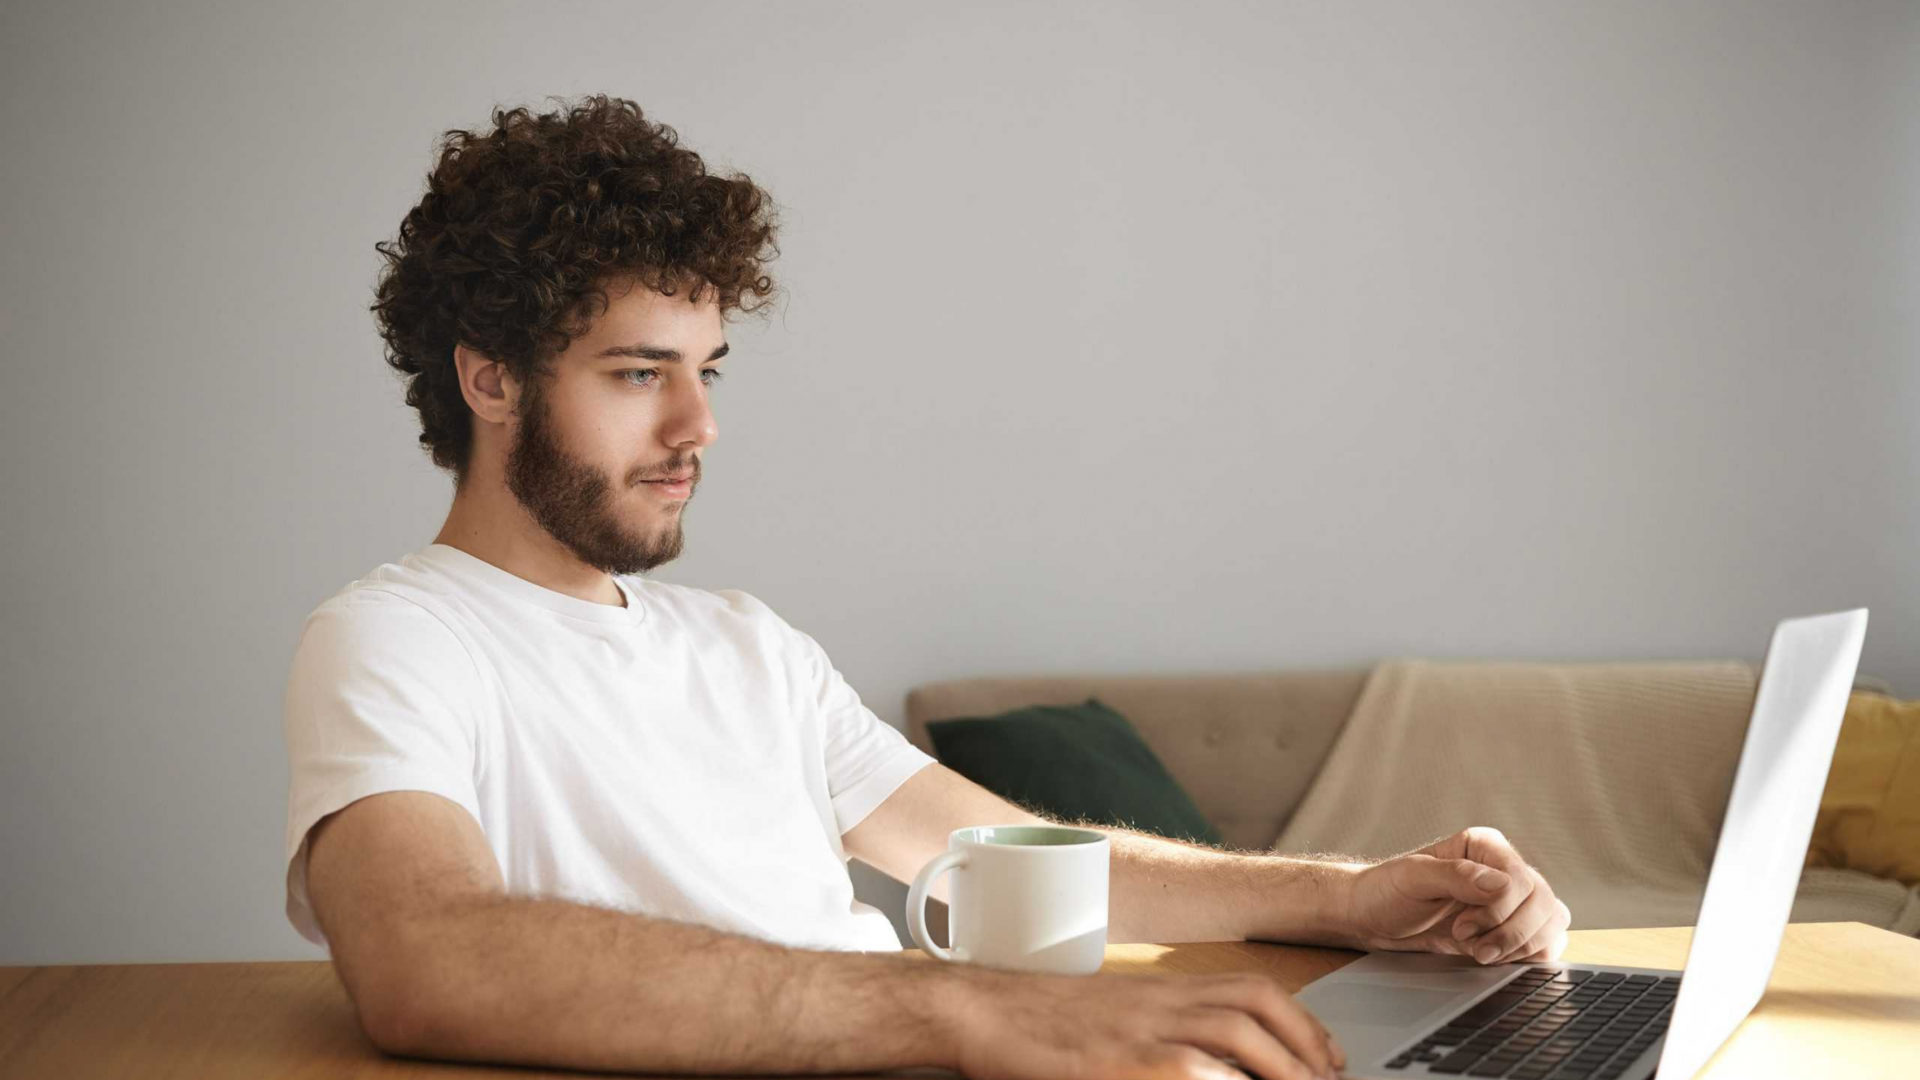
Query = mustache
x=674 y=468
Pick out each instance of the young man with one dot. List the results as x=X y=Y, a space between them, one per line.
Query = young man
x=545 y=810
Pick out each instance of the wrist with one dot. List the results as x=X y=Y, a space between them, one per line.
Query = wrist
x=1337 y=917
x=1312 y=906
x=959 y=1003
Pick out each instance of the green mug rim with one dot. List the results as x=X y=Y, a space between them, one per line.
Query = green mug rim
x=1074 y=837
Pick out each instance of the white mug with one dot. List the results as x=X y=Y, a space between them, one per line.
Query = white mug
x=1026 y=897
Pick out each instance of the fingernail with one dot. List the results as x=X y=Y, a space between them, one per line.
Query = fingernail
x=1486 y=953
x=1490 y=879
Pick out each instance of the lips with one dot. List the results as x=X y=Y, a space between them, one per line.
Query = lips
x=681 y=479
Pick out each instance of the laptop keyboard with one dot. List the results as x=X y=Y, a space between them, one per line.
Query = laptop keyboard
x=1550 y=1024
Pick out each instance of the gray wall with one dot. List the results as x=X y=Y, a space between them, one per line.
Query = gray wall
x=1119 y=338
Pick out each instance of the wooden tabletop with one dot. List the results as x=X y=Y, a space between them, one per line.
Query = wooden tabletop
x=1844 y=1002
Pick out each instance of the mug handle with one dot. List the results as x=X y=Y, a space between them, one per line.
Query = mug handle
x=917 y=903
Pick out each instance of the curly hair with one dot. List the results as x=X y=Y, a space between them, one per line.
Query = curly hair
x=521 y=230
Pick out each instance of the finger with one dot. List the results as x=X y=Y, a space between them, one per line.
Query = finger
x=1442 y=941
x=1424 y=877
x=1525 y=880
x=1468 y=843
x=1262 y=998
x=1427 y=927
x=1489 y=847
x=1232 y=1033
x=1510 y=936
x=1550 y=942
x=1543 y=938
x=1188 y=1063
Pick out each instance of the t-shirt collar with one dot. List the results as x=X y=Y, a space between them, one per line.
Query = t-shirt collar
x=458 y=562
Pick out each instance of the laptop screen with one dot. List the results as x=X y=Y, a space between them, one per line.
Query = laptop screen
x=1797 y=709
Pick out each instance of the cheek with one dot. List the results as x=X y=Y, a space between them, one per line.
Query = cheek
x=611 y=433
x=608 y=446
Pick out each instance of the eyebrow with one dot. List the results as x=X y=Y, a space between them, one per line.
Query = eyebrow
x=654 y=352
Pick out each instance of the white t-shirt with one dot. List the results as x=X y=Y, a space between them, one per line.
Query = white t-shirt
x=689 y=756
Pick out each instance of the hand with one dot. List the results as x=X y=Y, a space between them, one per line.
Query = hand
x=1469 y=894
x=1135 y=1027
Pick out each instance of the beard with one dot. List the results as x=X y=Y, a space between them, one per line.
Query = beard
x=574 y=501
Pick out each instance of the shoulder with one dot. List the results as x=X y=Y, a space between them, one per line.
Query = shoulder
x=375 y=622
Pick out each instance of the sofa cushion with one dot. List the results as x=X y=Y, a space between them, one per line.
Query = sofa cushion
x=1869 y=817
x=1245 y=744
x=1077 y=762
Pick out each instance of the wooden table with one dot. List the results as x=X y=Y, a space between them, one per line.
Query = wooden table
x=1844 y=1002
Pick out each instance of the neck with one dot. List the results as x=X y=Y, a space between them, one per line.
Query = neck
x=488 y=523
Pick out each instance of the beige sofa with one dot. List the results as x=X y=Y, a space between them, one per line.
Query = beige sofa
x=1248 y=748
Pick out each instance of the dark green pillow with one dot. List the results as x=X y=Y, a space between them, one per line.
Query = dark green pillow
x=1077 y=762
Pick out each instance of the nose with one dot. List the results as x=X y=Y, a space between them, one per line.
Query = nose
x=689 y=421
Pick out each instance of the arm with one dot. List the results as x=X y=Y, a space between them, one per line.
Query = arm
x=1164 y=891
x=1159 y=891
x=440 y=962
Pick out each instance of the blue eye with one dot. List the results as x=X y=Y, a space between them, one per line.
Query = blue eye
x=655 y=372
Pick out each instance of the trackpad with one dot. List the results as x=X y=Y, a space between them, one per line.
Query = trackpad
x=1372 y=1003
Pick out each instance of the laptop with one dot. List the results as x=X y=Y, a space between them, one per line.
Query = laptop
x=1403 y=1015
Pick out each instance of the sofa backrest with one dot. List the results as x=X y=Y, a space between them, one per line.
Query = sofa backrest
x=1246 y=746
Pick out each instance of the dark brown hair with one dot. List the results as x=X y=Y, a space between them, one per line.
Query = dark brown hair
x=522 y=229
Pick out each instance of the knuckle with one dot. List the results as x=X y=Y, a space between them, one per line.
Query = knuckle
x=1255 y=981
x=1216 y=1025
x=1530 y=945
x=1505 y=938
x=1245 y=986
x=1272 y=992
x=1241 y=1030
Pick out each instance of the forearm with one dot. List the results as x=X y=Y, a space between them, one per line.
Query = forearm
x=1165 y=891
x=548 y=982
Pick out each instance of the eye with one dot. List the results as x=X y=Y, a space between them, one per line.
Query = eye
x=654 y=373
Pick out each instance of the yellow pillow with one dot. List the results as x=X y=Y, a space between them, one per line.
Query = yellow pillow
x=1869 y=817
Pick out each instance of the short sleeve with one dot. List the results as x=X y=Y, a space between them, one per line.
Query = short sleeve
x=866 y=758
x=380 y=698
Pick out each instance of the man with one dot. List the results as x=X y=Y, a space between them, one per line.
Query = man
x=547 y=811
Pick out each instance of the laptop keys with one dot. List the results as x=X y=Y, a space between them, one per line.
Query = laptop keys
x=1551 y=1025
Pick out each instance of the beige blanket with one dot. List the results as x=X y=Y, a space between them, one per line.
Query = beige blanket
x=1611 y=779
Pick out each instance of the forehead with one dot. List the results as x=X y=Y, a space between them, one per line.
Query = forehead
x=637 y=315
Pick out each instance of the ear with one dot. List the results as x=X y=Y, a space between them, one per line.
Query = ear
x=490 y=390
